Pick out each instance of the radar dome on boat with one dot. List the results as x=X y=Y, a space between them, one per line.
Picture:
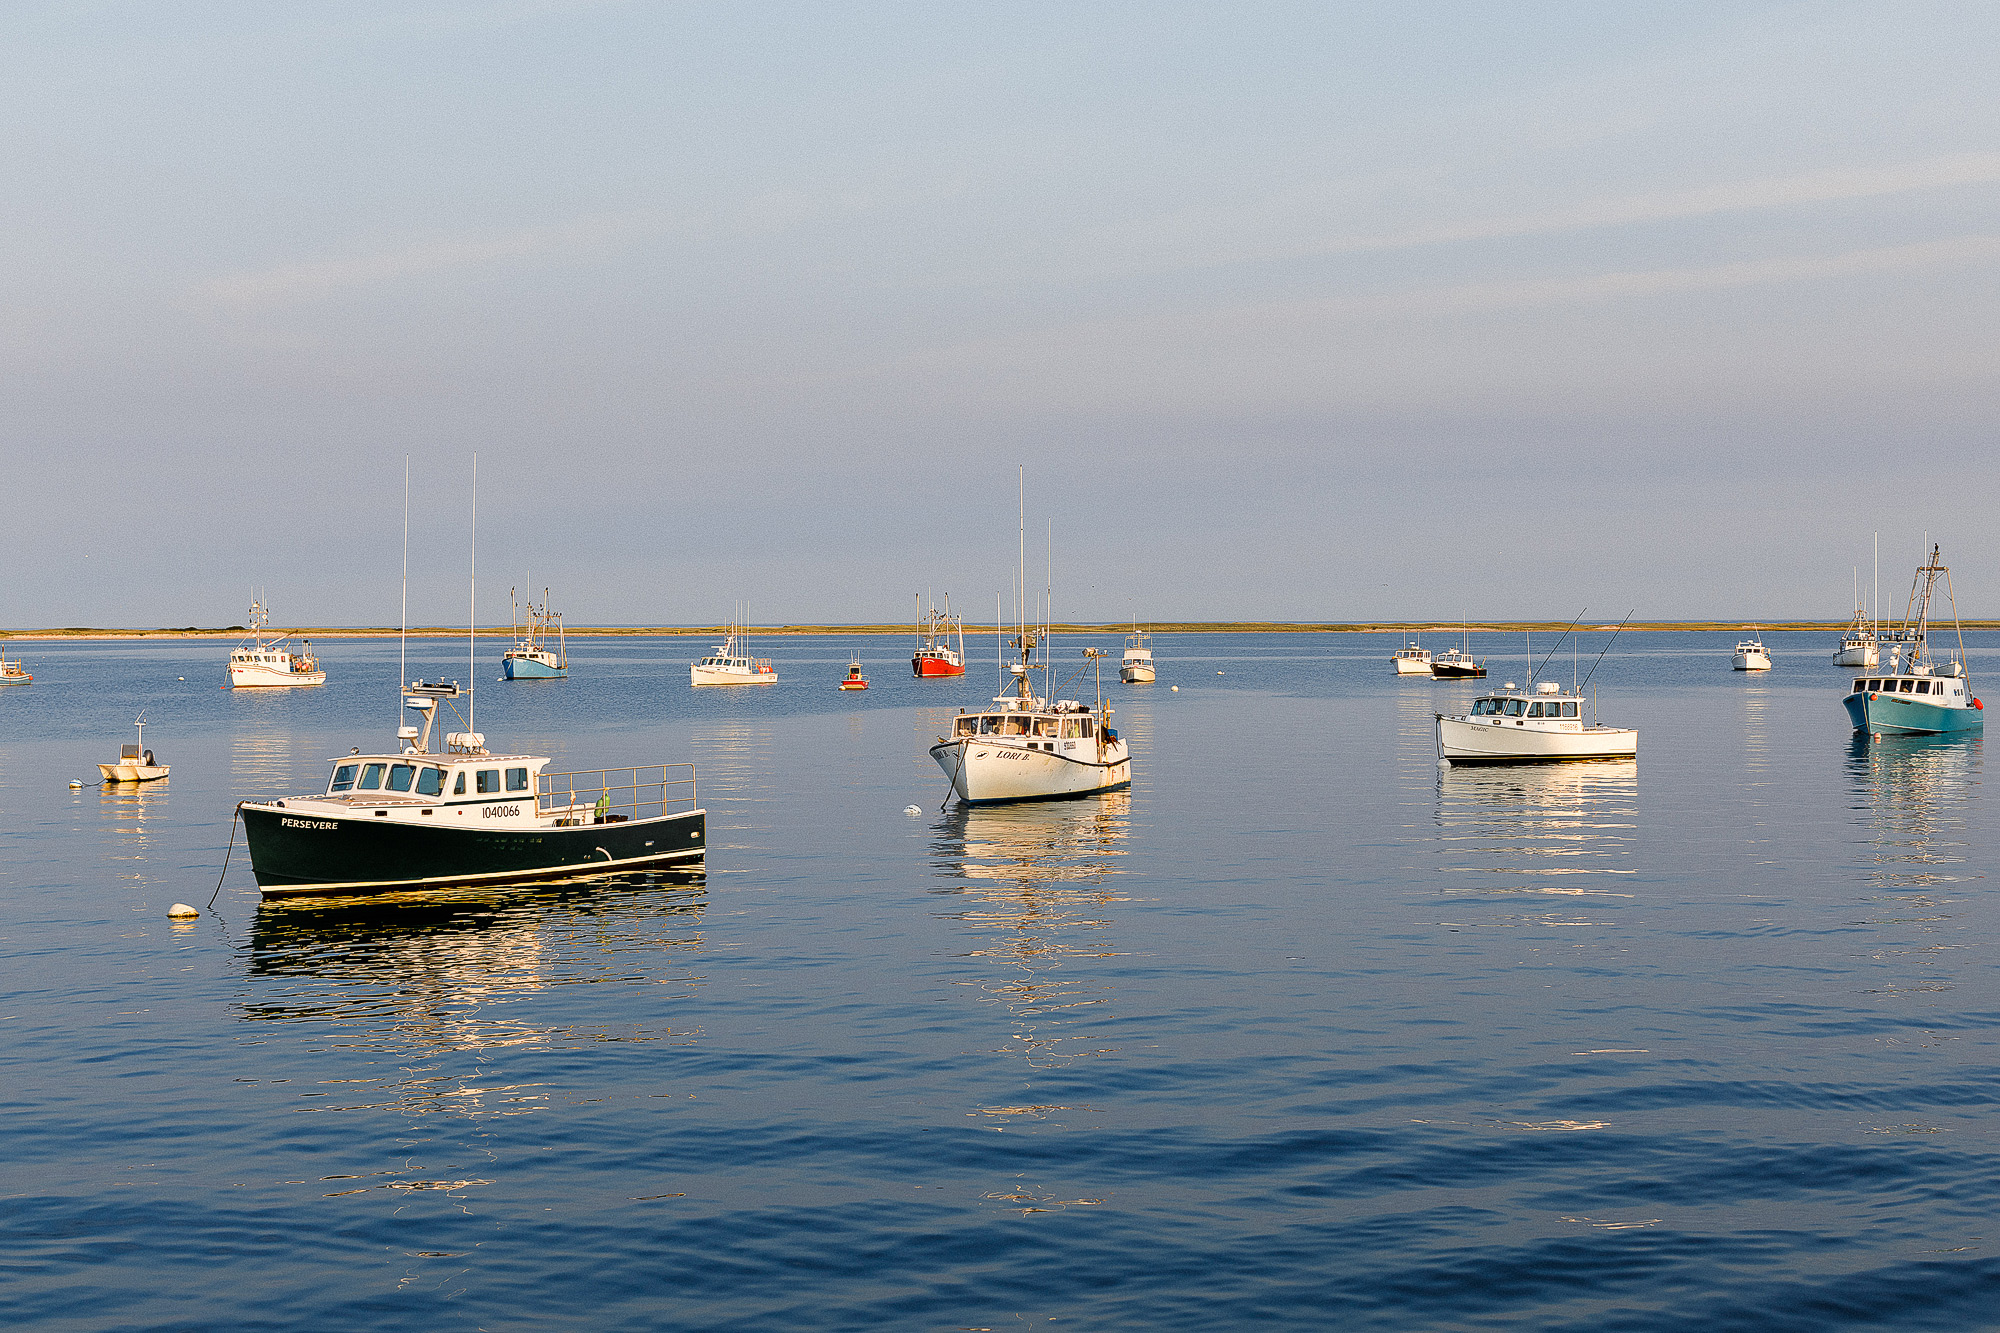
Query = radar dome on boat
x=1547 y=687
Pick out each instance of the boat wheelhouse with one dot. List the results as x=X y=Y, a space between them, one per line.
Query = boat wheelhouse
x=1412 y=659
x=853 y=680
x=731 y=664
x=1541 y=724
x=260 y=662
x=1922 y=693
x=934 y=656
x=417 y=819
x=530 y=658
x=1751 y=655
x=1136 y=667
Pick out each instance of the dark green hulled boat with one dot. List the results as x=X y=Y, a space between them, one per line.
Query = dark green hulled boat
x=417 y=820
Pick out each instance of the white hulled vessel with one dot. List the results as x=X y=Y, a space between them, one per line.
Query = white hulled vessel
x=1136 y=668
x=1032 y=749
x=1751 y=654
x=135 y=762
x=530 y=657
x=1535 y=725
x=1413 y=659
x=262 y=662
x=13 y=673
x=731 y=663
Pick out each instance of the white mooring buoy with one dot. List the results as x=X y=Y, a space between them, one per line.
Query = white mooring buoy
x=1175 y=688
x=182 y=909
x=913 y=809
x=75 y=783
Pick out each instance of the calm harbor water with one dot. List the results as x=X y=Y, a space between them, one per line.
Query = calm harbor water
x=1298 y=1032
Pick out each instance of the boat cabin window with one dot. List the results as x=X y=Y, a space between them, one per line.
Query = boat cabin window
x=1072 y=727
x=965 y=726
x=371 y=777
x=489 y=781
x=1923 y=687
x=343 y=778
x=1907 y=687
x=517 y=779
x=401 y=776
x=1045 y=726
x=1570 y=709
x=1483 y=707
x=1513 y=707
x=1860 y=685
x=458 y=788
x=430 y=782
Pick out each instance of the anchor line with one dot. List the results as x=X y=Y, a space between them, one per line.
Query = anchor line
x=952 y=784
x=235 y=817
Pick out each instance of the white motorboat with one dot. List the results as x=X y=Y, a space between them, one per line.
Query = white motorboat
x=1537 y=725
x=260 y=662
x=731 y=664
x=13 y=673
x=135 y=762
x=1751 y=654
x=1861 y=646
x=1136 y=668
x=1413 y=659
x=1458 y=663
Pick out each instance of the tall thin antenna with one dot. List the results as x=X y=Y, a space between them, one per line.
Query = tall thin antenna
x=1048 y=593
x=403 y=661
x=1021 y=587
x=472 y=609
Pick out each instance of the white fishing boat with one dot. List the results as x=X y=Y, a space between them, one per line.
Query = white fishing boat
x=1136 y=667
x=731 y=663
x=1861 y=646
x=531 y=658
x=1413 y=659
x=12 y=673
x=1032 y=746
x=259 y=662
x=1922 y=693
x=1537 y=725
x=135 y=762
x=1751 y=654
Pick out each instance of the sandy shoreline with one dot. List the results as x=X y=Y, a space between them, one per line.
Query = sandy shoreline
x=971 y=631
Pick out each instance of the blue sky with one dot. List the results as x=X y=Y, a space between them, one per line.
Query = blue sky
x=1316 y=312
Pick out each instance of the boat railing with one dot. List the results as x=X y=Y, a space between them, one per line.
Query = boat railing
x=590 y=796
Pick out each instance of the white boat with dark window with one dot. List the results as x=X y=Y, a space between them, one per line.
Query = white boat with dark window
x=135 y=762
x=1541 y=724
x=1751 y=654
x=259 y=662
x=1859 y=646
x=1031 y=749
x=13 y=673
x=1458 y=663
x=731 y=663
x=1922 y=693
x=531 y=657
x=1136 y=667
x=1412 y=659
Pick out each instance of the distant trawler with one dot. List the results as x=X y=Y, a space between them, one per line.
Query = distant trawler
x=1921 y=694
x=261 y=662
x=530 y=658
x=12 y=673
x=1136 y=668
x=1413 y=659
x=935 y=656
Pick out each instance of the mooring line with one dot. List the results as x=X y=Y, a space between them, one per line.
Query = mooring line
x=235 y=815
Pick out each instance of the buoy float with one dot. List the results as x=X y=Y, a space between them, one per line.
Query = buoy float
x=1175 y=688
x=1218 y=673
x=913 y=809
x=182 y=909
x=74 y=783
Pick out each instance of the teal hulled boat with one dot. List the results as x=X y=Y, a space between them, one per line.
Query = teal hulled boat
x=530 y=658
x=1921 y=693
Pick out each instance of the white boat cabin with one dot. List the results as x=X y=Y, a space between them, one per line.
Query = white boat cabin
x=1060 y=727
x=1546 y=708
x=1946 y=686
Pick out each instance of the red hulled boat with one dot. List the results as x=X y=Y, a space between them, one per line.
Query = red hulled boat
x=935 y=655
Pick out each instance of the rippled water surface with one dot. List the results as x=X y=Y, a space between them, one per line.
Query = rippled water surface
x=1299 y=1032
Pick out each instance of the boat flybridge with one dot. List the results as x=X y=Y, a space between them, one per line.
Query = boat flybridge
x=1030 y=748
x=1921 y=693
x=1136 y=668
x=259 y=661
x=1541 y=724
x=413 y=818
x=530 y=658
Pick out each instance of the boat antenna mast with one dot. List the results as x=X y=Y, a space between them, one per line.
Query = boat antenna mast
x=472 y=609
x=403 y=650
